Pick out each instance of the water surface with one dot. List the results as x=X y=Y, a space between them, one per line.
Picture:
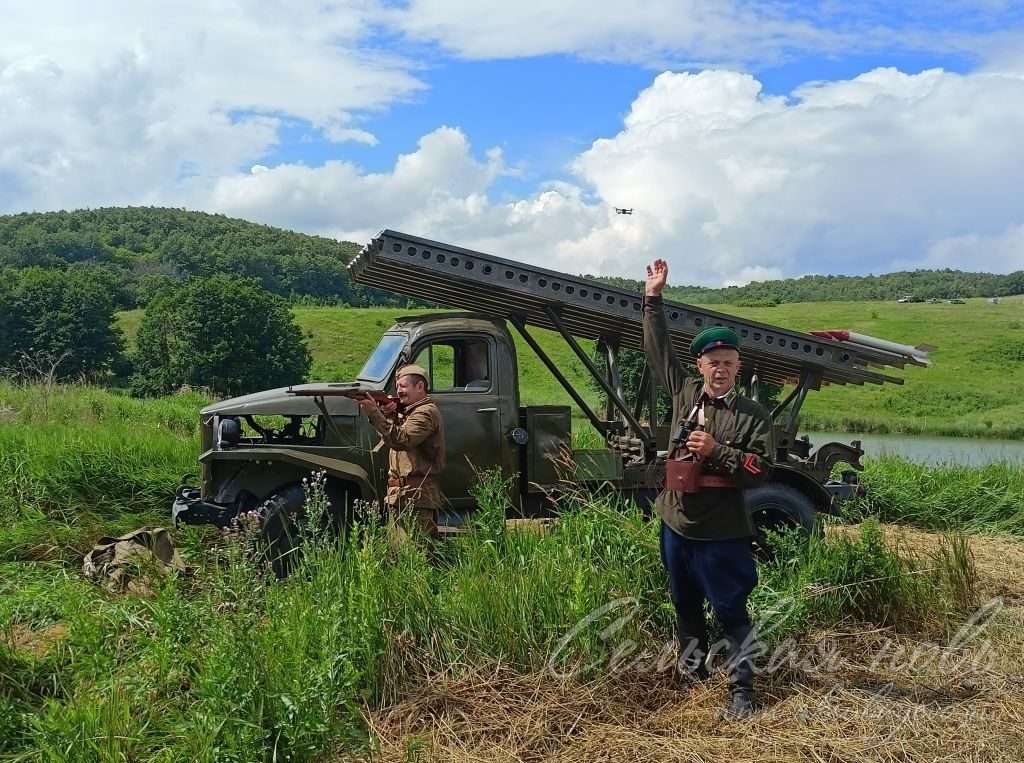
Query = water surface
x=929 y=450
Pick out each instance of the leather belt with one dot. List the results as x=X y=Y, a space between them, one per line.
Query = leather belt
x=410 y=480
x=712 y=480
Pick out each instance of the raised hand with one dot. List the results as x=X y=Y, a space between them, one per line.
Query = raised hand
x=657 y=277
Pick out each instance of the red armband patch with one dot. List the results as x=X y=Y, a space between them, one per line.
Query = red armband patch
x=749 y=465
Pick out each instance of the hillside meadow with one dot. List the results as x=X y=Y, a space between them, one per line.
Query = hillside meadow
x=975 y=388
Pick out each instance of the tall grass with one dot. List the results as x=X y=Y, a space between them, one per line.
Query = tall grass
x=987 y=498
x=228 y=663
x=77 y=462
x=860 y=578
x=231 y=664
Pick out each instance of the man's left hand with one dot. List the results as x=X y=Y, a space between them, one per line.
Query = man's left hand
x=701 y=444
x=368 y=404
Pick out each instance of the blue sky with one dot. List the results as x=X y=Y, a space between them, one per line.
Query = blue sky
x=754 y=139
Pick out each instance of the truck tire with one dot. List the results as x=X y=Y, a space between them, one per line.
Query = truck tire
x=285 y=522
x=777 y=507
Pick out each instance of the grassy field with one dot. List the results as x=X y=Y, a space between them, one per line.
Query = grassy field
x=377 y=650
x=975 y=387
x=514 y=643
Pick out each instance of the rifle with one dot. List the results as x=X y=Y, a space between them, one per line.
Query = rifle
x=353 y=393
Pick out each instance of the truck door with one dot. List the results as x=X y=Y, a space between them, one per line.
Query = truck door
x=466 y=388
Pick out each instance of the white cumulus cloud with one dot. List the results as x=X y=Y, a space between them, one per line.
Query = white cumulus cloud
x=884 y=171
x=850 y=176
x=134 y=103
x=186 y=104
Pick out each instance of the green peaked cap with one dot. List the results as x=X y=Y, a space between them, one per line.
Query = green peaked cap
x=713 y=339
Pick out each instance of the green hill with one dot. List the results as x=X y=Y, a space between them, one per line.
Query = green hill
x=149 y=247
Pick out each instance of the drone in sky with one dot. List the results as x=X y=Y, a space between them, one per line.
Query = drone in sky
x=621 y=211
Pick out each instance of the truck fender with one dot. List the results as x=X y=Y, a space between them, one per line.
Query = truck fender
x=304 y=463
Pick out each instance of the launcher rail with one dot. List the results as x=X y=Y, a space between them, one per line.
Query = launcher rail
x=529 y=295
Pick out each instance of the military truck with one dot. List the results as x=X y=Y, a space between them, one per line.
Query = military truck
x=257 y=449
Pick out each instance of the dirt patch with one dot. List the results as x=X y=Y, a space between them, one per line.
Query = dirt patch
x=36 y=642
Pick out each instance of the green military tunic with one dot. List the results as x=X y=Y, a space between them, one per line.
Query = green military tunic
x=416 y=440
x=742 y=430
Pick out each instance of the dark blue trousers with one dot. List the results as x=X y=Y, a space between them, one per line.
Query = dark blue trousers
x=721 y=572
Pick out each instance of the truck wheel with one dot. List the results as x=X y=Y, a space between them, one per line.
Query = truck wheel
x=777 y=508
x=284 y=524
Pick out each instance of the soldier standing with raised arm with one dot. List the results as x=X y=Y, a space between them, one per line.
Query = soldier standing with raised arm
x=706 y=531
x=416 y=439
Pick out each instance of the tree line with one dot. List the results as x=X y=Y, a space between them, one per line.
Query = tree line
x=144 y=249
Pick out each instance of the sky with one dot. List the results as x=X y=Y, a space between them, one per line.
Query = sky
x=752 y=140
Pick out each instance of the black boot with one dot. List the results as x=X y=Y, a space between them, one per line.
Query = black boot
x=692 y=634
x=741 y=672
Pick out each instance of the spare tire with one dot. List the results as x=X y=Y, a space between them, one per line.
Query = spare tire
x=777 y=507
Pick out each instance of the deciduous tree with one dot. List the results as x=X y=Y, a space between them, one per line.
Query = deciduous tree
x=229 y=336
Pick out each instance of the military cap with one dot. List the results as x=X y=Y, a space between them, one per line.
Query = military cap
x=412 y=369
x=715 y=338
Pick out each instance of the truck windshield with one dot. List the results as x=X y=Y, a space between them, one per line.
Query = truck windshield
x=383 y=358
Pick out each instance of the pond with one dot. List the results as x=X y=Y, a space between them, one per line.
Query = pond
x=929 y=450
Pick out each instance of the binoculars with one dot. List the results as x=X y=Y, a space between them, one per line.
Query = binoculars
x=684 y=430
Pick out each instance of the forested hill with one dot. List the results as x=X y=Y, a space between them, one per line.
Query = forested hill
x=146 y=248
x=923 y=284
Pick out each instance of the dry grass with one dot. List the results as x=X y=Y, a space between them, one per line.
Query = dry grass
x=36 y=642
x=856 y=695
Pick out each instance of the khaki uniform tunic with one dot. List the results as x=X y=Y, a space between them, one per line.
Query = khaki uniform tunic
x=743 y=454
x=416 y=440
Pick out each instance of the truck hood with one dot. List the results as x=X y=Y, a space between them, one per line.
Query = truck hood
x=279 y=402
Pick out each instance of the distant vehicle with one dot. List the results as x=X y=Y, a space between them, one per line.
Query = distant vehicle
x=621 y=211
x=908 y=298
x=993 y=300
x=932 y=301
x=955 y=301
